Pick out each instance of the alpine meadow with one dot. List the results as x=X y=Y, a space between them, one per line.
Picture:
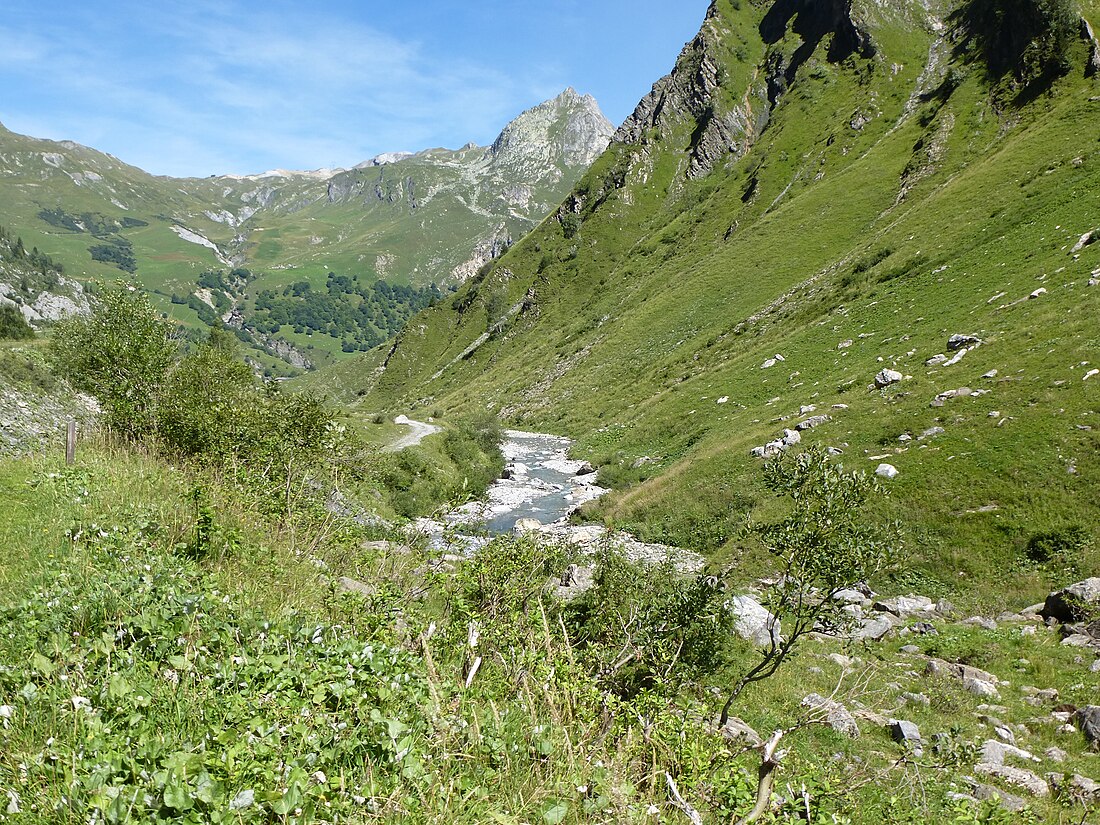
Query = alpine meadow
x=736 y=465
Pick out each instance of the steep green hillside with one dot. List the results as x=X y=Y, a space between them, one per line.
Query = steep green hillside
x=818 y=192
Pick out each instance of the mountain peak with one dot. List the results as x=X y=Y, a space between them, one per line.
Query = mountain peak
x=569 y=127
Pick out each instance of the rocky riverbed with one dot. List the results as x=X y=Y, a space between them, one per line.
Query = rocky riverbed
x=539 y=490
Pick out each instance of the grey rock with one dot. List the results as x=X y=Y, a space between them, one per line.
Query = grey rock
x=995 y=753
x=526 y=525
x=837 y=717
x=912 y=650
x=888 y=377
x=1055 y=754
x=904 y=606
x=931 y=432
x=1019 y=777
x=359 y=588
x=905 y=733
x=983 y=622
x=923 y=629
x=585 y=469
x=792 y=437
x=938 y=667
x=737 y=730
x=849 y=597
x=980 y=687
x=1088 y=719
x=1072 y=604
x=811 y=422
x=575 y=581
x=1078 y=640
x=753 y=622
x=1040 y=291
x=887 y=471
x=917 y=699
x=987 y=793
x=873 y=628
x=958 y=341
x=936 y=360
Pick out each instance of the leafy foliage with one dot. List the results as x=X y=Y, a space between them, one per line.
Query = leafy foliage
x=13 y=326
x=824 y=544
x=120 y=354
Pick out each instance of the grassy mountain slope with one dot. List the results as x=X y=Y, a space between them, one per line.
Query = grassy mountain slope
x=809 y=176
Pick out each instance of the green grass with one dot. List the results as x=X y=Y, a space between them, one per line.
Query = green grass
x=166 y=688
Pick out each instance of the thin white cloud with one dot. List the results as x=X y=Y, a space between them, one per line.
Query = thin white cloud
x=235 y=92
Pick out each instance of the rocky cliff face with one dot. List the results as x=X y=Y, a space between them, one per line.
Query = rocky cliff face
x=729 y=111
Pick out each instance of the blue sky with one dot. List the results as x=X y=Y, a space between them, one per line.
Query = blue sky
x=206 y=87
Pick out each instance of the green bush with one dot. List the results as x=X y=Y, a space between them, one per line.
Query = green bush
x=120 y=354
x=13 y=327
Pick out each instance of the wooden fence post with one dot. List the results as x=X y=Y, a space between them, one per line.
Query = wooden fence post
x=70 y=442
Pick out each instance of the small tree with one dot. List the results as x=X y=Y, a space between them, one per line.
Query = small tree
x=119 y=354
x=824 y=544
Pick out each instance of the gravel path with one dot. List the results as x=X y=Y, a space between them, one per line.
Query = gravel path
x=418 y=432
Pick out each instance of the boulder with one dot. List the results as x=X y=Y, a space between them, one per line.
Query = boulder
x=958 y=341
x=906 y=733
x=904 y=606
x=887 y=377
x=753 y=621
x=987 y=793
x=983 y=622
x=849 y=597
x=737 y=730
x=811 y=422
x=1055 y=754
x=995 y=753
x=887 y=471
x=792 y=437
x=574 y=582
x=938 y=667
x=526 y=525
x=837 y=717
x=874 y=628
x=346 y=585
x=1088 y=719
x=1072 y=603
x=585 y=469
x=981 y=687
x=1020 y=778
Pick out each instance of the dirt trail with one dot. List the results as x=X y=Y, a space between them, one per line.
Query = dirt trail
x=418 y=432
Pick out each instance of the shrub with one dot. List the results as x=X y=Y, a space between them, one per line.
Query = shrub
x=119 y=354
x=13 y=327
x=208 y=403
